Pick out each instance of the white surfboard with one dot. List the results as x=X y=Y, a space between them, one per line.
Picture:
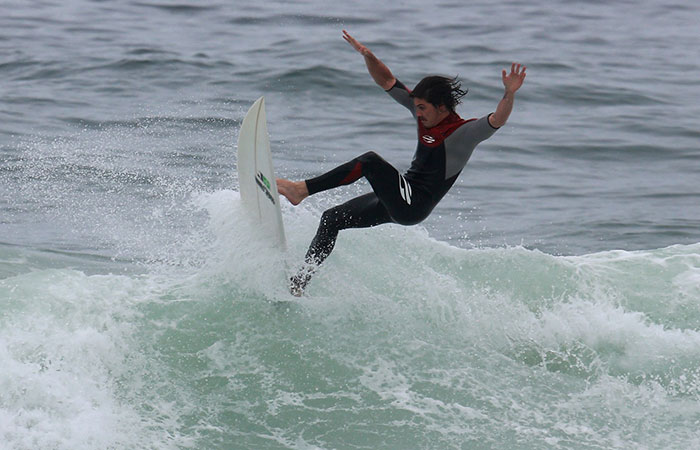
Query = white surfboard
x=255 y=174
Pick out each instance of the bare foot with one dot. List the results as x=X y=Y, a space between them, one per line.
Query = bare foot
x=295 y=191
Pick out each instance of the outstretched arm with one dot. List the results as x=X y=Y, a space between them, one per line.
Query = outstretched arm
x=512 y=83
x=380 y=73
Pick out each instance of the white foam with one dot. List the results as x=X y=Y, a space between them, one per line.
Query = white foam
x=66 y=349
x=238 y=250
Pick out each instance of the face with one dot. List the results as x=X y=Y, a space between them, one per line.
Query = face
x=429 y=114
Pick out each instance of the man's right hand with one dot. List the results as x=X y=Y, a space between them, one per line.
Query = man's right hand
x=364 y=51
x=380 y=73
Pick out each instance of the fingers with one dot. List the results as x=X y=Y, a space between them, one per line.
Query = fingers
x=351 y=40
x=513 y=80
x=355 y=44
x=517 y=69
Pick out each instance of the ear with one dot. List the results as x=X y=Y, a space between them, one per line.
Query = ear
x=442 y=109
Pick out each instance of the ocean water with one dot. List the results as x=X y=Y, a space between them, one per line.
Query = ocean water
x=552 y=300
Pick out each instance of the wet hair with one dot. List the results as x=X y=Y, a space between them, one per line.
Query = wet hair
x=439 y=90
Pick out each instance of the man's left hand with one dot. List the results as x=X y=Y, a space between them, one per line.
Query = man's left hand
x=515 y=78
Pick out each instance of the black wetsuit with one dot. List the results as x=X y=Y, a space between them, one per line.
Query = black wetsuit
x=407 y=199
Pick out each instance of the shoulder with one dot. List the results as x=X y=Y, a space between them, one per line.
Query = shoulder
x=479 y=123
x=476 y=129
x=399 y=92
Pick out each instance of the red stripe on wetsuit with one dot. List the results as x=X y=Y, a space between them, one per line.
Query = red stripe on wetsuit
x=354 y=174
x=344 y=174
x=433 y=137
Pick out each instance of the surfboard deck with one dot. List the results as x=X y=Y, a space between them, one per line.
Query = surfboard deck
x=256 y=176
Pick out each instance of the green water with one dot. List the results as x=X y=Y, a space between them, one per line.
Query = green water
x=402 y=342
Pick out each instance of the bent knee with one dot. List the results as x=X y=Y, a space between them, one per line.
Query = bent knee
x=370 y=157
x=410 y=216
x=372 y=163
x=333 y=218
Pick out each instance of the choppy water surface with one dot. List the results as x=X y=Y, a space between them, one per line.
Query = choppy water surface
x=550 y=301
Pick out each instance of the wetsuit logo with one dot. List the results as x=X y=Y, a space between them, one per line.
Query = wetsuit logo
x=428 y=139
x=405 y=189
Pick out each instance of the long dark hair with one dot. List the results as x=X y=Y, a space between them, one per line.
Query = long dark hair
x=439 y=90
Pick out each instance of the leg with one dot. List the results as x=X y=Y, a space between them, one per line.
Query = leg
x=361 y=212
x=369 y=164
x=347 y=173
x=391 y=188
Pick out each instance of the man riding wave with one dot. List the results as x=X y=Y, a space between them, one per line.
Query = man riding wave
x=445 y=143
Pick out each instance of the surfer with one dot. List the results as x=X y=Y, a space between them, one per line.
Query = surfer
x=445 y=143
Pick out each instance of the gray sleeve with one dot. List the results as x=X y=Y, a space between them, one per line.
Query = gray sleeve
x=460 y=144
x=400 y=93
